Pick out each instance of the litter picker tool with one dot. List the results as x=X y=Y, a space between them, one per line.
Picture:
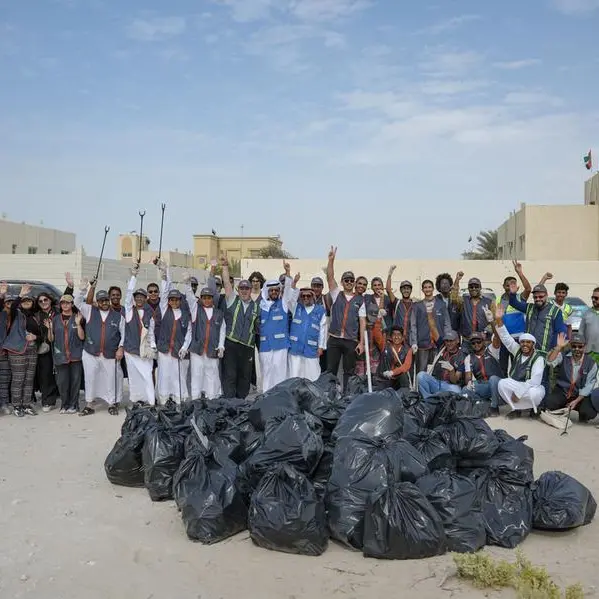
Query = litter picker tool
x=163 y=207
x=106 y=229
x=565 y=431
x=367 y=350
x=180 y=394
x=142 y=213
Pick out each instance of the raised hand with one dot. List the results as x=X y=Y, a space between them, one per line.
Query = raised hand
x=296 y=279
x=499 y=312
x=83 y=284
x=78 y=318
x=224 y=262
x=25 y=289
x=547 y=276
x=392 y=269
x=286 y=267
x=517 y=266
x=513 y=286
x=460 y=275
x=488 y=314
x=68 y=277
x=332 y=253
x=3 y=288
x=562 y=340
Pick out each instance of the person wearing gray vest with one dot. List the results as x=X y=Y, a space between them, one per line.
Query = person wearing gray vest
x=576 y=376
x=66 y=334
x=172 y=343
x=523 y=389
x=348 y=322
x=5 y=304
x=471 y=308
x=430 y=326
x=208 y=330
x=138 y=352
x=102 y=352
x=242 y=319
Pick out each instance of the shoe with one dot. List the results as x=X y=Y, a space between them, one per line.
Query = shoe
x=62 y=411
x=533 y=414
x=6 y=410
x=514 y=414
x=113 y=410
x=71 y=411
x=170 y=405
x=18 y=411
x=30 y=411
x=87 y=411
x=494 y=412
x=48 y=408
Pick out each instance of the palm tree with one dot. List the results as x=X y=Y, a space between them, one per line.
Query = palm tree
x=486 y=247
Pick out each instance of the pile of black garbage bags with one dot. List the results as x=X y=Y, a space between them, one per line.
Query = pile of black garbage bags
x=385 y=473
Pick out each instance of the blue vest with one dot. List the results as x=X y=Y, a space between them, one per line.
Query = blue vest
x=305 y=331
x=172 y=332
x=15 y=342
x=241 y=325
x=345 y=319
x=205 y=333
x=133 y=330
x=102 y=338
x=274 y=328
x=513 y=319
x=67 y=346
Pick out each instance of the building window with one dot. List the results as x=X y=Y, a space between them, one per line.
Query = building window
x=127 y=254
x=202 y=259
x=49 y=250
x=32 y=249
x=522 y=239
x=254 y=253
x=14 y=248
x=64 y=252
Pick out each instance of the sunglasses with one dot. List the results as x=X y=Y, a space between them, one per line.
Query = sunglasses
x=349 y=280
x=317 y=285
x=244 y=288
x=153 y=291
x=576 y=346
x=595 y=298
x=306 y=295
x=43 y=300
x=473 y=286
x=476 y=341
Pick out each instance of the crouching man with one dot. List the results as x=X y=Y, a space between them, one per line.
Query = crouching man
x=575 y=377
x=446 y=371
x=524 y=389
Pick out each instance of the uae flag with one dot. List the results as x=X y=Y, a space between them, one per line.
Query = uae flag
x=588 y=161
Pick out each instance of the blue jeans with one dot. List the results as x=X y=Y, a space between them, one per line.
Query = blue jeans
x=488 y=390
x=428 y=385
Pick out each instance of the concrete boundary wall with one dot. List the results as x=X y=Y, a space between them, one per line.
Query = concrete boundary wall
x=51 y=269
x=581 y=276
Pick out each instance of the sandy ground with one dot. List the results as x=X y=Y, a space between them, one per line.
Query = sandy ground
x=66 y=533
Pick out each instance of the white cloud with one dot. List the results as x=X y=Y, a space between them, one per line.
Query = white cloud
x=156 y=29
x=445 y=87
x=449 y=24
x=444 y=63
x=514 y=65
x=576 y=7
x=532 y=97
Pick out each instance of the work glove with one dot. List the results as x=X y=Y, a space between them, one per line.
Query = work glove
x=134 y=269
x=488 y=314
x=388 y=374
x=414 y=348
x=446 y=365
x=221 y=352
x=186 y=278
x=470 y=385
x=83 y=284
x=182 y=353
x=153 y=346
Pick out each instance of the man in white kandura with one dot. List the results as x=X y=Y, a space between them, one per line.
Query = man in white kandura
x=208 y=330
x=524 y=389
x=274 y=334
x=308 y=332
x=102 y=352
x=138 y=352
x=172 y=342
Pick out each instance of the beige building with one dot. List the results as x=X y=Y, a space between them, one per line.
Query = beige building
x=21 y=238
x=207 y=247
x=561 y=232
x=128 y=250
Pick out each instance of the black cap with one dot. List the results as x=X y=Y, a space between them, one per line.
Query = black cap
x=539 y=289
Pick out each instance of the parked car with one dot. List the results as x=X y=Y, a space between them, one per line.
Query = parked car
x=37 y=287
x=579 y=307
x=485 y=292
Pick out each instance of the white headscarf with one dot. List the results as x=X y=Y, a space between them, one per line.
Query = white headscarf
x=265 y=302
x=527 y=337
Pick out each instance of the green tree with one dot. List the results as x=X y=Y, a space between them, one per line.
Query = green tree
x=274 y=251
x=234 y=268
x=486 y=247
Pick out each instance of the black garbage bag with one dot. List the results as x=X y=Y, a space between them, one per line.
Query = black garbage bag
x=376 y=415
x=286 y=513
x=432 y=446
x=321 y=475
x=211 y=502
x=455 y=498
x=469 y=438
x=328 y=383
x=277 y=402
x=362 y=466
x=293 y=441
x=162 y=453
x=506 y=508
x=400 y=523
x=423 y=413
x=123 y=465
x=356 y=385
x=512 y=461
x=560 y=502
x=251 y=438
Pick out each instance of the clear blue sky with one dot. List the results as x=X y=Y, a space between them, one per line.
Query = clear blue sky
x=391 y=128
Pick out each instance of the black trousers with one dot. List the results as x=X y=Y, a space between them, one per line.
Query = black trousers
x=45 y=379
x=68 y=380
x=338 y=350
x=556 y=400
x=323 y=361
x=237 y=369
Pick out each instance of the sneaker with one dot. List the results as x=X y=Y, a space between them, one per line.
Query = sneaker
x=30 y=411
x=62 y=411
x=48 y=408
x=494 y=412
x=18 y=411
x=6 y=410
x=113 y=410
x=170 y=405
x=71 y=411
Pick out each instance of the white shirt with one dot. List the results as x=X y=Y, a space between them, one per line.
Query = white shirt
x=538 y=368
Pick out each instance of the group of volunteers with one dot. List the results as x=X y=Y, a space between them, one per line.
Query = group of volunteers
x=222 y=341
